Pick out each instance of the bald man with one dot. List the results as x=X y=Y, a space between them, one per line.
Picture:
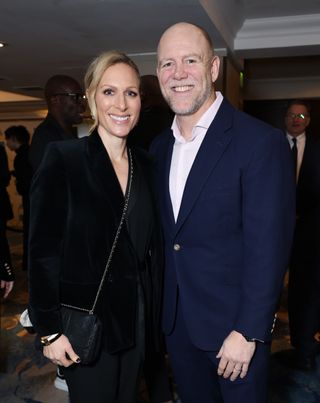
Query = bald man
x=226 y=194
x=66 y=106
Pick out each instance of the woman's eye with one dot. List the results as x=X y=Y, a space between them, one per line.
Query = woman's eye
x=132 y=93
x=108 y=91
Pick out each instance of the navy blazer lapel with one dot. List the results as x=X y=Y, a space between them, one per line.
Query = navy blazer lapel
x=211 y=150
x=164 y=162
x=103 y=174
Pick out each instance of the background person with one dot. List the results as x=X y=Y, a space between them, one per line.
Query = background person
x=304 y=273
x=155 y=115
x=17 y=140
x=226 y=192
x=77 y=200
x=66 y=106
x=6 y=270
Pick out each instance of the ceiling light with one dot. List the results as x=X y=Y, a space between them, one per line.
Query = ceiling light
x=2 y=45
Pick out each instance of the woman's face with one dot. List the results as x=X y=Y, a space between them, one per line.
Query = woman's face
x=118 y=100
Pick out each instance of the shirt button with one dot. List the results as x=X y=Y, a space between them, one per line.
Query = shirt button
x=176 y=247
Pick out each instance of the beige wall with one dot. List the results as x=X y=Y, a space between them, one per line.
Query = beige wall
x=232 y=90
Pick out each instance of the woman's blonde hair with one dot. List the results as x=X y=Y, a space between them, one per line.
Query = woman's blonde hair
x=95 y=72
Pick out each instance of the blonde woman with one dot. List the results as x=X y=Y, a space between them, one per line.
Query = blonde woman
x=77 y=199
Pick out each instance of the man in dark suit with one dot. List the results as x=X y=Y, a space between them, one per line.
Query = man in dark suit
x=304 y=274
x=226 y=192
x=66 y=105
x=155 y=115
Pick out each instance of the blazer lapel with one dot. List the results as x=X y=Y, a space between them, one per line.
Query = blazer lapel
x=165 y=193
x=211 y=150
x=103 y=174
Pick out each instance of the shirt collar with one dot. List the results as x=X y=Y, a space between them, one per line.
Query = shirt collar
x=298 y=138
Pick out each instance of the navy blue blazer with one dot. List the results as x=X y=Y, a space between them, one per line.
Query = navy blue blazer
x=228 y=251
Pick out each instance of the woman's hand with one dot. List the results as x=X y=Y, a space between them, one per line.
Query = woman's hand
x=60 y=352
x=7 y=285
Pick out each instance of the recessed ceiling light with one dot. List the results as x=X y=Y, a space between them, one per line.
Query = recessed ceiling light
x=2 y=45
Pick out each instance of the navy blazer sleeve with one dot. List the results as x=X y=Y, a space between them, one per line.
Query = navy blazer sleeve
x=268 y=203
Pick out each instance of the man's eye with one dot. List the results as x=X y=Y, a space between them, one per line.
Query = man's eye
x=191 y=61
x=166 y=64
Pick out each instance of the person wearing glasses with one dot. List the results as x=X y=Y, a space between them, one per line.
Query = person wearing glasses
x=66 y=106
x=304 y=272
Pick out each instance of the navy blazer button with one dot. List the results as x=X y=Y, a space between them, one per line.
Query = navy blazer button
x=176 y=247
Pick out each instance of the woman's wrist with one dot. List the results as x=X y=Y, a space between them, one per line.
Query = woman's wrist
x=47 y=340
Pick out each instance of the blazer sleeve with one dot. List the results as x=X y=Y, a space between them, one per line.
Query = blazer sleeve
x=268 y=222
x=4 y=168
x=48 y=214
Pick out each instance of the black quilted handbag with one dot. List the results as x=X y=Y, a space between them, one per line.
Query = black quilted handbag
x=84 y=331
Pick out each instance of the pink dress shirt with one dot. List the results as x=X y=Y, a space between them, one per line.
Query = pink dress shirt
x=185 y=152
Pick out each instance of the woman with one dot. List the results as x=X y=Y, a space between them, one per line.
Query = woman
x=77 y=198
x=6 y=271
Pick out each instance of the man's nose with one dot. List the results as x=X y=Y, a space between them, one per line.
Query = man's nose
x=180 y=71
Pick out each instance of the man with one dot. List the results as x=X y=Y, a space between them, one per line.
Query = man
x=304 y=274
x=226 y=192
x=155 y=115
x=66 y=105
x=17 y=140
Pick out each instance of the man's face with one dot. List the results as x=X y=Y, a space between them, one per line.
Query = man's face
x=186 y=70
x=12 y=143
x=297 y=120
x=72 y=104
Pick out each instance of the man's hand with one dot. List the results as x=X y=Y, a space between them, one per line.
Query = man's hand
x=235 y=355
x=60 y=352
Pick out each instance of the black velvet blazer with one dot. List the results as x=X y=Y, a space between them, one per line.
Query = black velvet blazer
x=76 y=205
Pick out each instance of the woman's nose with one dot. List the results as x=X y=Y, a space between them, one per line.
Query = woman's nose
x=121 y=102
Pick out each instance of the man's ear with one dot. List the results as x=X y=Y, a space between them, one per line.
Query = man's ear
x=215 y=66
